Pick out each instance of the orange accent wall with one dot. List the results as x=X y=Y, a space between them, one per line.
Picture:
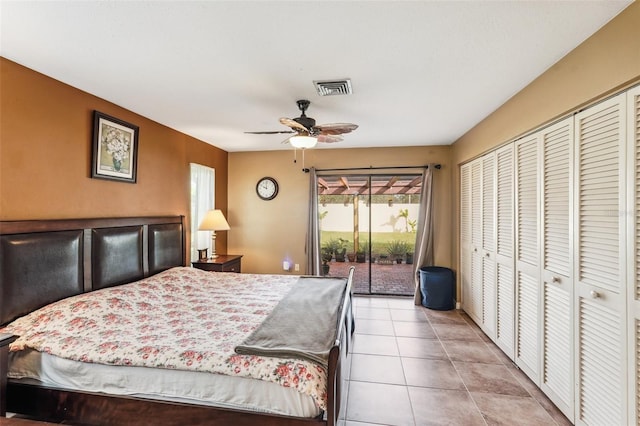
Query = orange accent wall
x=45 y=153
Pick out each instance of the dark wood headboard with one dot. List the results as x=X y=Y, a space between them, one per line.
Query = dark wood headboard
x=42 y=261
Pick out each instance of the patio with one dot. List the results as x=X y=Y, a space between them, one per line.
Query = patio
x=395 y=279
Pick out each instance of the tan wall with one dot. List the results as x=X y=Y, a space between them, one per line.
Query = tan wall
x=267 y=232
x=604 y=64
x=45 y=154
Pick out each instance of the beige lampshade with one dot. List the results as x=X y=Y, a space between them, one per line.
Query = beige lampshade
x=214 y=221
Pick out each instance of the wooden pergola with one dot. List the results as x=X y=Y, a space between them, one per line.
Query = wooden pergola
x=380 y=185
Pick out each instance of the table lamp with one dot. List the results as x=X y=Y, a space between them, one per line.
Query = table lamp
x=214 y=221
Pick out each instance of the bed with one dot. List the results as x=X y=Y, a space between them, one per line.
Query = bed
x=73 y=263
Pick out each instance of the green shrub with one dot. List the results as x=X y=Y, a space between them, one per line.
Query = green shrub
x=397 y=248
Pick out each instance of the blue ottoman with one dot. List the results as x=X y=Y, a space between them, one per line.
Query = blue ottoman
x=437 y=285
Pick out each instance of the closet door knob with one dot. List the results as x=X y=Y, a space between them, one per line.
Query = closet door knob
x=594 y=294
x=555 y=279
x=487 y=254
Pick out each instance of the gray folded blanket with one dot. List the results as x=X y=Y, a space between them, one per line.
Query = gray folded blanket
x=303 y=324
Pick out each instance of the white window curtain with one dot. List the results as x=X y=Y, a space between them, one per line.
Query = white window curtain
x=202 y=200
x=424 y=237
x=312 y=245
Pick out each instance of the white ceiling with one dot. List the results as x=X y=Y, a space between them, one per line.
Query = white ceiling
x=423 y=72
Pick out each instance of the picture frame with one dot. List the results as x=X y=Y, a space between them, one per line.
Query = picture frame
x=202 y=254
x=115 y=149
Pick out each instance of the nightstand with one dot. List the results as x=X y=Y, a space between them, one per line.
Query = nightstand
x=222 y=263
x=5 y=340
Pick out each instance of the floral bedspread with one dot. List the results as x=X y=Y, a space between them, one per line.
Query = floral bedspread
x=183 y=318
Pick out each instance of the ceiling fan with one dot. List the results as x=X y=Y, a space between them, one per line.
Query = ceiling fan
x=305 y=131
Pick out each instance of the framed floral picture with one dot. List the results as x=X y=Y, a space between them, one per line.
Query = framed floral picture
x=115 y=149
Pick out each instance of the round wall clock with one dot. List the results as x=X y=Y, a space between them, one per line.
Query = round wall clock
x=267 y=188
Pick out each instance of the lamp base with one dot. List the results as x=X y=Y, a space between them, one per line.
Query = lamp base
x=213 y=246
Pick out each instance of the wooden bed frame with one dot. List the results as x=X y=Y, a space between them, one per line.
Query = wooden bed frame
x=43 y=261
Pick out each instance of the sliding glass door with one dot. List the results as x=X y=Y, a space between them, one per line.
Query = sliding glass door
x=369 y=222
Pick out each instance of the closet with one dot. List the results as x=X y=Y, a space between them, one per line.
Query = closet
x=478 y=239
x=527 y=265
x=633 y=250
x=505 y=333
x=550 y=257
x=556 y=217
x=599 y=263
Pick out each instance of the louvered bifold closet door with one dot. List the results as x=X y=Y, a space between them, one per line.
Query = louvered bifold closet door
x=465 y=236
x=633 y=293
x=505 y=289
x=557 y=286
x=600 y=302
x=476 y=241
x=488 y=245
x=527 y=257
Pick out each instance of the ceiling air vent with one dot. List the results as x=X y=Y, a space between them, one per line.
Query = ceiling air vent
x=333 y=87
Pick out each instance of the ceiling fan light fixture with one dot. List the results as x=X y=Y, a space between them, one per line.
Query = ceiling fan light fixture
x=303 y=142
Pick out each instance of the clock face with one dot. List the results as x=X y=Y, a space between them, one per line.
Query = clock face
x=267 y=188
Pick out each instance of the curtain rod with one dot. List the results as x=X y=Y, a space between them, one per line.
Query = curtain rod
x=437 y=166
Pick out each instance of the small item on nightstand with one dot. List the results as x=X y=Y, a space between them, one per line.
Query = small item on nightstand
x=202 y=254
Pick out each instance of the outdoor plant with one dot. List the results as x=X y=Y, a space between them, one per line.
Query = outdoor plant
x=409 y=225
x=332 y=245
x=326 y=252
x=409 y=257
x=397 y=249
x=404 y=213
x=335 y=246
x=361 y=253
x=341 y=249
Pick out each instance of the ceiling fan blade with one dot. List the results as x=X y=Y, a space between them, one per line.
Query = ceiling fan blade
x=336 y=128
x=275 y=132
x=293 y=124
x=329 y=138
x=306 y=126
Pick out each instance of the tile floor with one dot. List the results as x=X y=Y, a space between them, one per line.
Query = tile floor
x=416 y=366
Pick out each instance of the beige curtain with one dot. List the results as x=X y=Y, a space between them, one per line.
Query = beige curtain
x=424 y=239
x=312 y=246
